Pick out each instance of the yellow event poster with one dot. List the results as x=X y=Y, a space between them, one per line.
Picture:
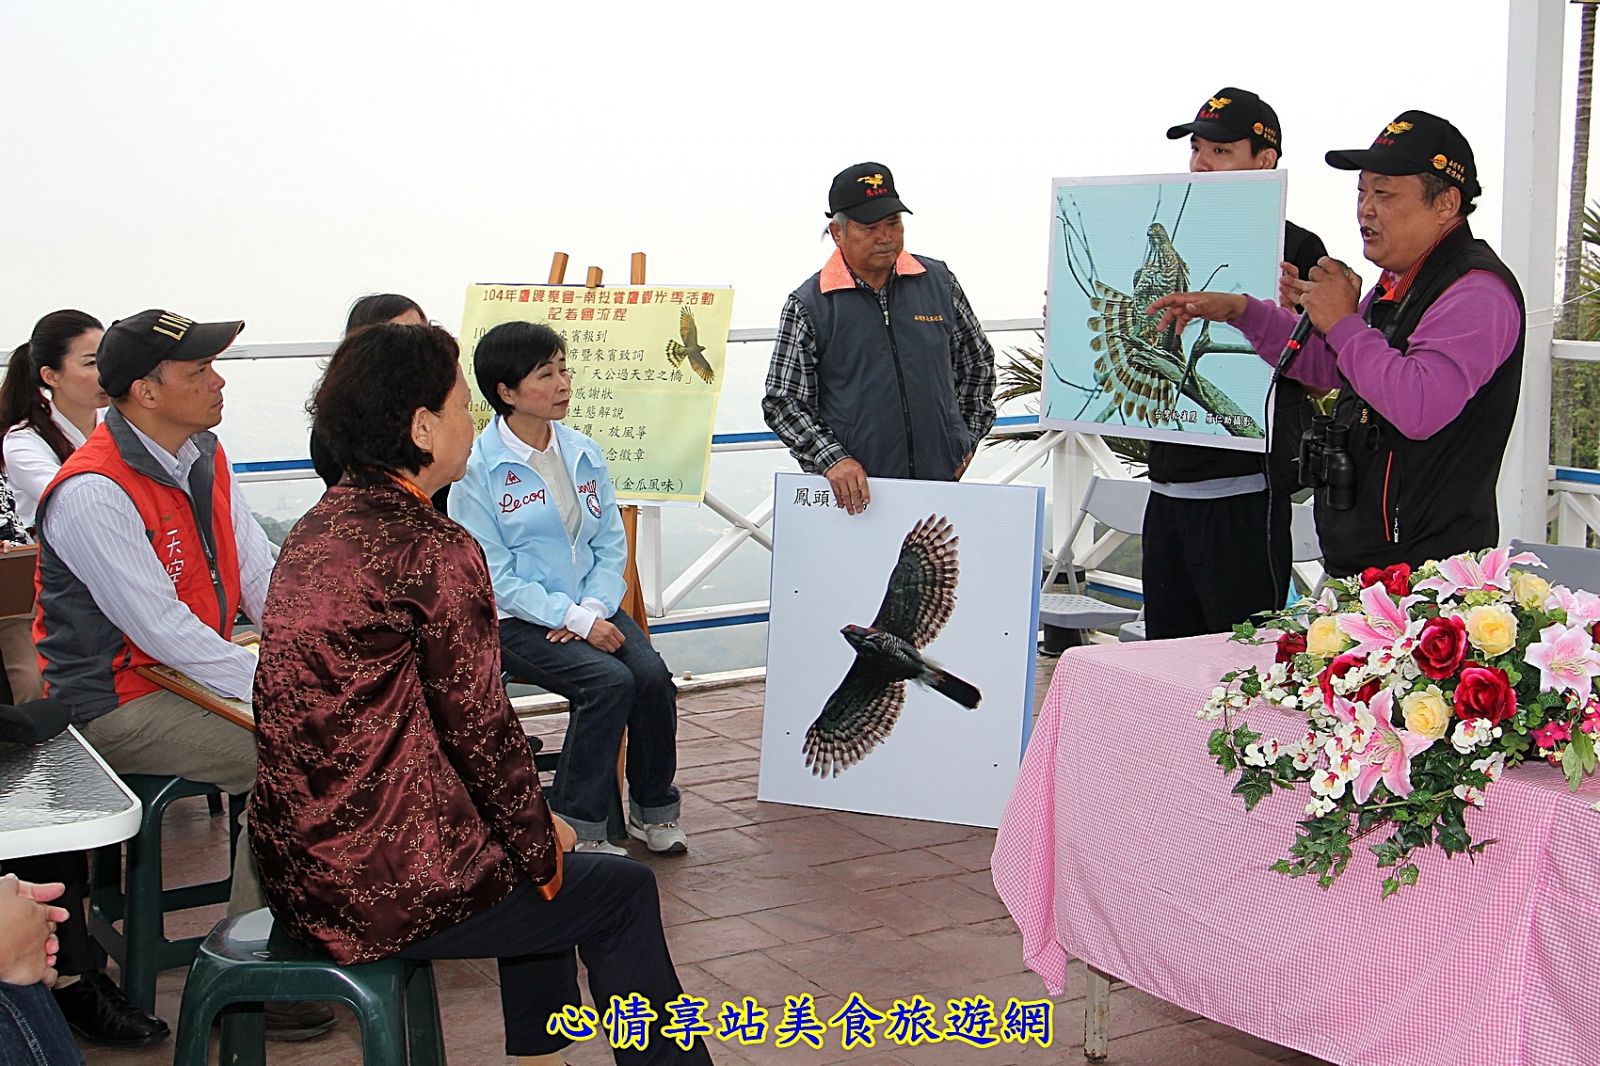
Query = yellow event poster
x=647 y=368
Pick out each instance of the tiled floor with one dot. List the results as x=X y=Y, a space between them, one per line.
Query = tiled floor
x=773 y=901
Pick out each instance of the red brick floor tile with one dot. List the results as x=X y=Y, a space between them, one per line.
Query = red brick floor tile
x=743 y=723
x=891 y=868
x=972 y=853
x=904 y=914
x=713 y=751
x=814 y=920
x=815 y=841
x=727 y=791
x=988 y=949
x=964 y=905
x=702 y=815
x=717 y=938
x=691 y=776
x=903 y=833
x=758 y=974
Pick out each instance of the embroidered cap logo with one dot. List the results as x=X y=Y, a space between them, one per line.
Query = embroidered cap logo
x=1397 y=128
x=171 y=325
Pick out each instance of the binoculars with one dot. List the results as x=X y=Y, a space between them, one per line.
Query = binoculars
x=1325 y=463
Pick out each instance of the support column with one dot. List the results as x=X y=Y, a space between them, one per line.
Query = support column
x=1528 y=242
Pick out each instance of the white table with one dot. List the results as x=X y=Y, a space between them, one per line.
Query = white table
x=61 y=796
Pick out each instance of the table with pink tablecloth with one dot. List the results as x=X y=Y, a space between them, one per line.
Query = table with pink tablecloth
x=1122 y=846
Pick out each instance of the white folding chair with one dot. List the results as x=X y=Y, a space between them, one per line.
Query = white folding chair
x=1117 y=503
x=1305 y=547
x=1565 y=564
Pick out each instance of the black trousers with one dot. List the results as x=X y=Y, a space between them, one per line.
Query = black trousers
x=609 y=912
x=1208 y=565
x=77 y=954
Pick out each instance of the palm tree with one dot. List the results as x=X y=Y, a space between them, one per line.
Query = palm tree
x=1573 y=381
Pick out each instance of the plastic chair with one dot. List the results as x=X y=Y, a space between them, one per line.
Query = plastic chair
x=246 y=961
x=1114 y=502
x=1565 y=564
x=137 y=897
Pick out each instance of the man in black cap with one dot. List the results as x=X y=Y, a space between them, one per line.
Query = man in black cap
x=1216 y=529
x=147 y=553
x=880 y=367
x=1428 y=363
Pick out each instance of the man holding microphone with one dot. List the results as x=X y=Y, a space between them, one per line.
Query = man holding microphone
x=1428 y=363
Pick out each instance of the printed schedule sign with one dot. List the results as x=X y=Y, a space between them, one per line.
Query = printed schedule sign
x=647 y=369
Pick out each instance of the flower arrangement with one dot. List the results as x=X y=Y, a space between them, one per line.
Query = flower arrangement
x=1418 y=691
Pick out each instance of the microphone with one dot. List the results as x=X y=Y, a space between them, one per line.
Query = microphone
x=1297 y=339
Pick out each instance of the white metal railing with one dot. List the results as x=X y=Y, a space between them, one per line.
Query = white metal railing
x=1574 y=495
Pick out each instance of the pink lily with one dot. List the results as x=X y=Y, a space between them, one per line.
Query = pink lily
x=1566 y=659
x=1583 y=608
x=1389 y=754
x=1464 y=573
x=1384 y=623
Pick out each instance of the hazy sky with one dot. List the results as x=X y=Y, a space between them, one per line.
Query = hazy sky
x=274 y=161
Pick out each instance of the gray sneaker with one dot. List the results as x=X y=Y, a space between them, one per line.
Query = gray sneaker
x=599 y=847
x=664 y=838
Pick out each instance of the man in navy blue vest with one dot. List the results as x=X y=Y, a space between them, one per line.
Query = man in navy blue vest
x=880 y=367
x=1428 y=364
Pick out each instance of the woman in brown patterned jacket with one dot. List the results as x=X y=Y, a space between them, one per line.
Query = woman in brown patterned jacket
x=396 y=809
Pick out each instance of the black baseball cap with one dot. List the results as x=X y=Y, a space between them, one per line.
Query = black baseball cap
x=136 y=345
x=1232 y=115
x=1416 y=143
x=865 y=193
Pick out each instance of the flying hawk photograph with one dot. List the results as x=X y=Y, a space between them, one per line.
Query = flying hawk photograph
x=690 y=349
x=918 y=602
x=900 y=647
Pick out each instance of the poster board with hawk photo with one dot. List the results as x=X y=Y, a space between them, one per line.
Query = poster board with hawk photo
x=901 y=647
x=1116 y=245
x=647 y=366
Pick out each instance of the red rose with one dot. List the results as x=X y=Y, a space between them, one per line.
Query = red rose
x=1441 y=646
x=1485 y=692
x=1396 y=578
x=1289 y=645
x=1340 y=666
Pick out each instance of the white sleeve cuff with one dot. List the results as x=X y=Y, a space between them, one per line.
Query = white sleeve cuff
x=580 y=619
x=596 y=606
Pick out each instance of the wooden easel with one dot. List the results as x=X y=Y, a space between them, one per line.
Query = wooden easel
x=632 y=596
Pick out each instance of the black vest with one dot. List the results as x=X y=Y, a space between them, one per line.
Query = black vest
x=1418 y=500
x=887 y=388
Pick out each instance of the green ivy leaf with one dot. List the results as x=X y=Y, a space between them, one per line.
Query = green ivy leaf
x=1408 y=874
x=1390 y=887
x=1453 y=839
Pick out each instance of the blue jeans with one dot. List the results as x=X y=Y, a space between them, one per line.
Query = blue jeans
x=32 y=1030
x=630 y=688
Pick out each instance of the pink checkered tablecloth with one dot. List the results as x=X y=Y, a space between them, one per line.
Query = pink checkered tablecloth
x=1122 y=846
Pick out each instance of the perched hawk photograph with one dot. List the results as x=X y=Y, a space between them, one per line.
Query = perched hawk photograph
x=918 y=602
x=1124 y=335
x=690 y=349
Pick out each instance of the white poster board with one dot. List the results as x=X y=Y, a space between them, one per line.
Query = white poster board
x=953 y=567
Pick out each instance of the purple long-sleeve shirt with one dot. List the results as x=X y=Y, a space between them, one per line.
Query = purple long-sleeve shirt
x=1457 y=346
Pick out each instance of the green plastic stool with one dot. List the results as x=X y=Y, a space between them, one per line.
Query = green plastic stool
x=247 y=961
x=137 y=896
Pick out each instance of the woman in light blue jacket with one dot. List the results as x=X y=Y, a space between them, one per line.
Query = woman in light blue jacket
x=539 y=500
